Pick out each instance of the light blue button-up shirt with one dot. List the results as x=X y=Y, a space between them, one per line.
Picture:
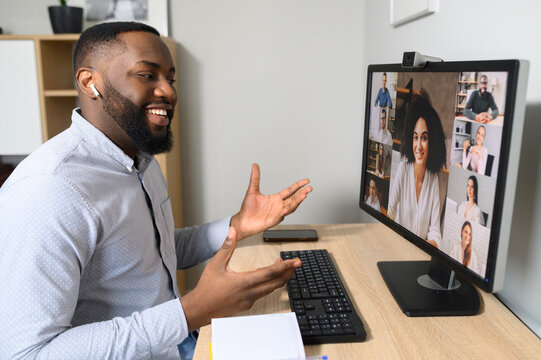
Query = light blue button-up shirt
x=89 y=253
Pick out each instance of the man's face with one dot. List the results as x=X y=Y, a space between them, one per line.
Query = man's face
x=373 y=190
x=483 y=82
x=383 y=120
x=139 y=94
x=383 y=81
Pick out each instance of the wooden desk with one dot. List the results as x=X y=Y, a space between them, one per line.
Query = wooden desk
x=495 y=333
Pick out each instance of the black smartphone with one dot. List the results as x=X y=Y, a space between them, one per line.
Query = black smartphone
x=290 y=235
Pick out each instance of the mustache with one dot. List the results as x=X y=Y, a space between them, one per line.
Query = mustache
x=157 y=102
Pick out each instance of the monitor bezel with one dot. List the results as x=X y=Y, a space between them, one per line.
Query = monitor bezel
x=512 y=68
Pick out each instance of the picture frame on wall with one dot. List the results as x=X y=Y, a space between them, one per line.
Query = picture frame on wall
x=150 y=12
x=405 y=11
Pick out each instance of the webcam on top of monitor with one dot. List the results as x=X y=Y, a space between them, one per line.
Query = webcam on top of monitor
x=414 y=59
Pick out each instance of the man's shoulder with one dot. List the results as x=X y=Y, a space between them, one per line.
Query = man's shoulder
x=46 y=159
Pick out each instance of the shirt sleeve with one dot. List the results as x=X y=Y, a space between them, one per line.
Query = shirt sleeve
x=378 y=98
x=468 y=109
x=434 y=231
x=49 y=233
x=494 y=108
x=396 y=189
x=482 y=164
x=479 y=215
x=199 y=243
x=466 y=158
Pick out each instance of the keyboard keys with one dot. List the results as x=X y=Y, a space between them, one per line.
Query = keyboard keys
x=318 y=298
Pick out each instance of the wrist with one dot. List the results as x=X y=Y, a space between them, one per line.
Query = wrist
x=194 y=312
x=236 y=223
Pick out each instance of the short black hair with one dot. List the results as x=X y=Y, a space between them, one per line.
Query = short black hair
x=421 y=108
x=99 y=38
x=474 y=180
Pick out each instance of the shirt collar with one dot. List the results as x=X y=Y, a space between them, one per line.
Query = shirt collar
x=95 y=137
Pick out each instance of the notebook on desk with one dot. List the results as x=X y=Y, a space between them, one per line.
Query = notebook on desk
x=270 y=336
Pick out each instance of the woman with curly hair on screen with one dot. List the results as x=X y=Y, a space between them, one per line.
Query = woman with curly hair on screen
x=415 y=200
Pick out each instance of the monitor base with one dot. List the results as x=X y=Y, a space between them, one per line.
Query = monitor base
x=415 y=299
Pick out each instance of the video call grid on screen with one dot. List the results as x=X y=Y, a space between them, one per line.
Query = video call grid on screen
x=454 y=205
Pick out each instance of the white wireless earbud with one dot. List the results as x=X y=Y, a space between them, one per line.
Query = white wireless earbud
x=96 y=92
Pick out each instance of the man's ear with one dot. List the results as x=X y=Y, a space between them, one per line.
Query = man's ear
x=86 y=77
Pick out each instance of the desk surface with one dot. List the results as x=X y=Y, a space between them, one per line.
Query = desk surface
x=495 y=333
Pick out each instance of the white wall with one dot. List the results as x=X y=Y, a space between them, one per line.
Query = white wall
x=496 y=29
x=25 y=16
x=275 y=82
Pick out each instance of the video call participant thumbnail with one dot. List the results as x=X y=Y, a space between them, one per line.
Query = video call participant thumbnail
x=469 y=209
x=414 y=199
x=475 y=157
x=372 y=198
x=480 y=102
x=463 y=250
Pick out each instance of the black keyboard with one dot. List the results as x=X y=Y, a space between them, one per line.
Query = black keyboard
x=320 y=301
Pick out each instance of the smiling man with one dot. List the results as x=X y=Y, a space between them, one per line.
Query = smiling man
x=480 y=102
x=88 y=250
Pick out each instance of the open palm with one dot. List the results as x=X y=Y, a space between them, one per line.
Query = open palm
x=259 y=212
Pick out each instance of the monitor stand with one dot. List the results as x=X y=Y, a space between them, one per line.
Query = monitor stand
x=428 y=288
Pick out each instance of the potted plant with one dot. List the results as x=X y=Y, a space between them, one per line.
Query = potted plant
x=66 y=19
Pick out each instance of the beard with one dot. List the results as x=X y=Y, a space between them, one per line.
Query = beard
x=132 y=119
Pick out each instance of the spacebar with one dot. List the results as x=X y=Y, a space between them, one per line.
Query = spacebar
x=319 y=295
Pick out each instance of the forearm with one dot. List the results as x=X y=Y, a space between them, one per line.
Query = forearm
x=469 y=114
x=148 y=334
x=465 y=159
x=434 y=230
x=482 y=164
x=199 y=243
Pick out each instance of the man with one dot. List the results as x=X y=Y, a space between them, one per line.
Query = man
x=383 y=97
x=384 y=136
x=372 y=200
x=88 y=252
x=480 y=102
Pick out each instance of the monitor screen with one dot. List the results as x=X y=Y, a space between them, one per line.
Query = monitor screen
x=437 y=151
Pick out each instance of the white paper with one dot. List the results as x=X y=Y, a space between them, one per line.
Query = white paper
x=271 y=336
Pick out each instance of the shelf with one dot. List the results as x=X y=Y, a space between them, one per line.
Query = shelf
x=60 y=93
x=463 y=134
x=407 y=91
x=467 y=82
x=462 y=95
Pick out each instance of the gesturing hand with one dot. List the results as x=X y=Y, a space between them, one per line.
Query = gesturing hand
x=222 y=292
x=259 y=212
x=466 y=144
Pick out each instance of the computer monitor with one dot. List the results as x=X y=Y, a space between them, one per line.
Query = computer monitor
x=440 y=162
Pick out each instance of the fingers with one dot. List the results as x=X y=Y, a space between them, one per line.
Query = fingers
x=222 y=257
x=279 y=270
x=272 y=279
x=253 y=186
x=293 y=202
x=286 y=193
